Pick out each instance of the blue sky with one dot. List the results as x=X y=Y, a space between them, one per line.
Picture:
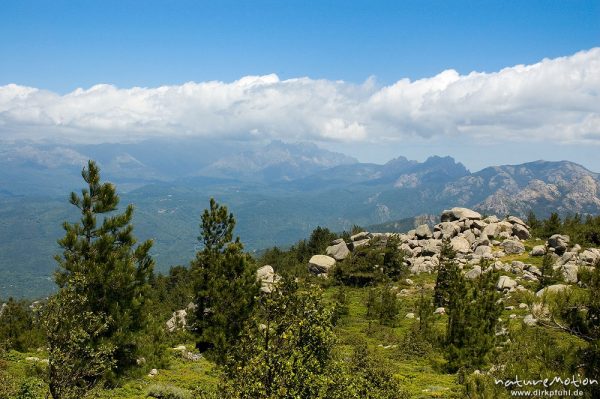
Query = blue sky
x=380 y=78
x=61 y=45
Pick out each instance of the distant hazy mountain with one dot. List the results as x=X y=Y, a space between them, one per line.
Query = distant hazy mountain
x=278 y=193
x=275 y=162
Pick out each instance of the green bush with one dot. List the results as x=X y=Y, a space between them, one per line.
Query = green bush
x=168 y=392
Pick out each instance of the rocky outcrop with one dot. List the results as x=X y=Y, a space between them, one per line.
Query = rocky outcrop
x=179 y=318
x=267 y=278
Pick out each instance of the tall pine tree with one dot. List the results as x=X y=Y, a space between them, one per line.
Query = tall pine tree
x=473 y=312
x=225 y=283
x=101 y=262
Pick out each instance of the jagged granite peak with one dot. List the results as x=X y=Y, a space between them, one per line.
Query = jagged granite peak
x=435 y=170
x=543 y=186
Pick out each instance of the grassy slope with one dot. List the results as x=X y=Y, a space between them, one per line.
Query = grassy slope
x=422 y=376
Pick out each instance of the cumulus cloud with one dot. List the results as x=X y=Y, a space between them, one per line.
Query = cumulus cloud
x=554 y=99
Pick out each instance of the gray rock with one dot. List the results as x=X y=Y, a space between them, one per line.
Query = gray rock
x=439 y=311
x=267 y=278
x=337 y=241
x=528 y=276
x=431 y=247
x=469 y=236
x=459 y=213
x=448 y=229
x=590 y=256
x=559 y=242
x=505 y=226
x=516 y=220
x=423 y=232
x=473 y=273
x=423 y=264
x=534 y=270
x=483 y=240
x=512 y=247
x=478 y=224
x=177 y=321
x=520 y=231
x=320 y=264
x=153 y=373
x=410 y=316
x=552 y=289
x=570 y=273
x=492 y=219
x=490 y=231
x=460 y=244
x=360 y=243
x=538 y=250
x=483 y=250
x=505 y=282
x=517 y=266
x=361 y=236
x=338 y=251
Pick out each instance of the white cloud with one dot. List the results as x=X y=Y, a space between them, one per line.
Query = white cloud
x=555 y=99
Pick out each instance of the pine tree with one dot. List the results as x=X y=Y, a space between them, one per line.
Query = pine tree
x=393 y=259
x=425 y=314
x=388 y=306
x=473 y=312
x=101 y=263
x=446 y=269
x=549 y=275
x=225 y=283
x=78 y=356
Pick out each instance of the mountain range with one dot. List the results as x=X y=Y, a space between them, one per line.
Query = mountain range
x=278 y=192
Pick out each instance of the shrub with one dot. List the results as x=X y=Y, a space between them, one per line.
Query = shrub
x=168 y=392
